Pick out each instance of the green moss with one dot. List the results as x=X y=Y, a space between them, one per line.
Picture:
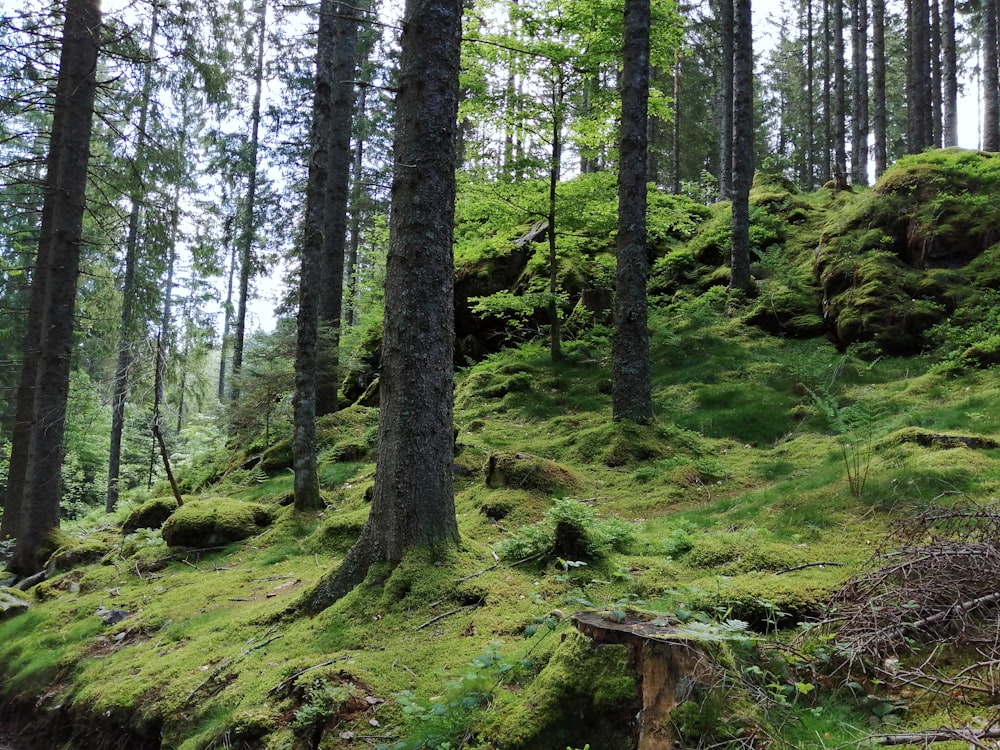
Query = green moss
x=586 y=694
x=214 y=521
x=531 y=473
x=150 y=515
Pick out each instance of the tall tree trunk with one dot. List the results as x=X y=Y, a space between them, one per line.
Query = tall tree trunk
x=828 y=91
x=331 y=299
x=810 y=118
x=230 y=246
x=413 y=501
x=65 y=198
x=726 y=33
x=859 y=92
x=991 y=84
x=742 y=145
x=839 y=95
x=249 y=215
x=555 y=168
x=935 y=63
x=631 y=390
x=949 y=76
x=127 y=324
x=307 y=495
x=879 y=115
x=354 y=242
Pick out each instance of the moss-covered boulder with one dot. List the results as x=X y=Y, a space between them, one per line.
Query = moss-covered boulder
x=524 y=471
x=586 y=694
x=214 y=521
x=887 y=263
x=150 y=515
x=12 y=602
x=78 y=552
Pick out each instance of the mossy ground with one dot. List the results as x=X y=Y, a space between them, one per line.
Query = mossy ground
x=739 y=498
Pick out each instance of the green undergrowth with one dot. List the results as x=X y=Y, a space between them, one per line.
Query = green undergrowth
x=742 y=503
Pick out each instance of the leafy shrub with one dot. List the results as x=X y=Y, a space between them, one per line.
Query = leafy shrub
x=567 y=520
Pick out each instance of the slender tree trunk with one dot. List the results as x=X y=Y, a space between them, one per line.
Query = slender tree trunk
x=127 y=324
x=839 y=95
x=249 y=217
x=810 y=118
x=949 y=76
x=828 y=90
x=859 y=92
x=227 y=243
x=742 y=145
x=675 y=138
x=65 y=191
x=879 y=116
x=331 y=298
x=991 y=84
x=726 y=23
x=555 y=168
x=631 y=390
x=307 y=496
x=413 y=502
x=354 y=243
x=935 y=64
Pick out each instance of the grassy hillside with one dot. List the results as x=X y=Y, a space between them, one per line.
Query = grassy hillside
x=777 y=467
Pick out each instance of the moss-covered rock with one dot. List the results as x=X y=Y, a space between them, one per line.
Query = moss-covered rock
x=150 y=515
x=214 y=521
x=526 y=472
x=78 y=552
x=586 y=694
x=12 y=602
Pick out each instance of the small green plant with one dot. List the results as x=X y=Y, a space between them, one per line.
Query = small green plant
x=322 y=700
x=570 y=528
x=856 y=427
x=448 y=721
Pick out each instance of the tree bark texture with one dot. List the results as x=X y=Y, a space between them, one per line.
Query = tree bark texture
x=631 y=392
x=60 y=263
x=742 y=144
x=413 y=501
x=839 y=94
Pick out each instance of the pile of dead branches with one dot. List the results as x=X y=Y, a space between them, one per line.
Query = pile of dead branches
x=935 y=582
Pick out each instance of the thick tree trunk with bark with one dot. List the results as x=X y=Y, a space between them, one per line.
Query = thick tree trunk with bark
x=839 y=95
x=742 y=145
x=631 y=392
x=58 y=272
x=413 y=501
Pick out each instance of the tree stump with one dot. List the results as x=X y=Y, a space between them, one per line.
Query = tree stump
x=667 y=666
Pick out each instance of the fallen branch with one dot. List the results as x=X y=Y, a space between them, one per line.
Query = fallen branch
x=289 y=681
x=960 y=608
x=808 y=565
x=944 y=734
x=447 y=614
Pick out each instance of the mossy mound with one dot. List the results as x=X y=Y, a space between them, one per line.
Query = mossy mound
x=586 y=694
x=214 y=521
x=77 y=552
x=524 y=471
x=150 y=515
x=351 y=433
x=12 y=602
x=278 y=457
x=938 y=440
x=880 y=261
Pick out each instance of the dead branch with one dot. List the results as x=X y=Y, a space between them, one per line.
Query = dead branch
x=945 y=734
